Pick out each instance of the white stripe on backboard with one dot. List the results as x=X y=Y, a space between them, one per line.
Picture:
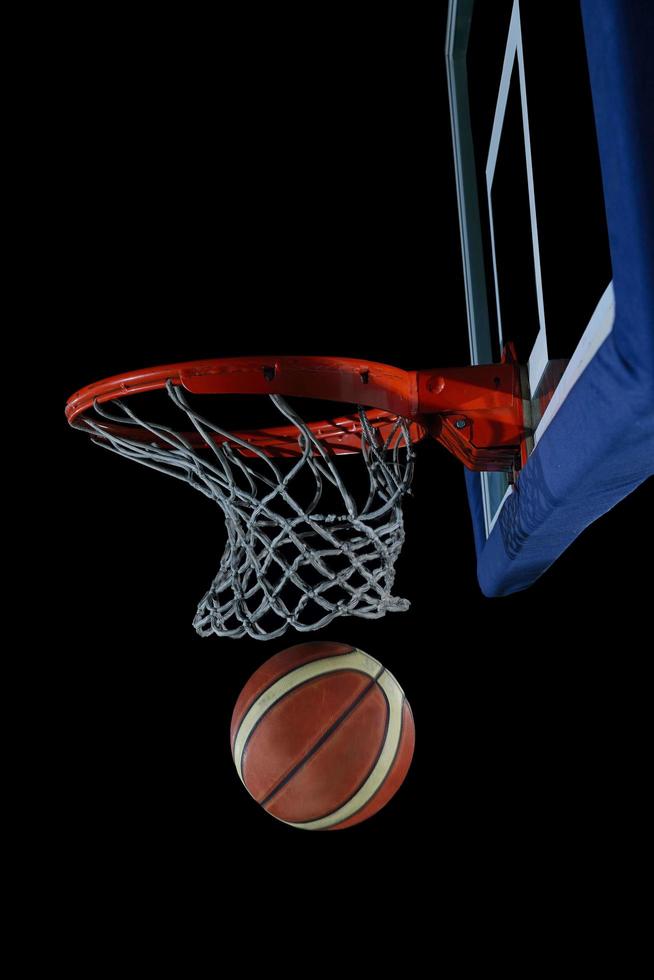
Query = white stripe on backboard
x=514 y=49
x=598 y=329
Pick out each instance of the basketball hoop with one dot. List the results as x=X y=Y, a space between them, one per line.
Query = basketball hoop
x=301 y=549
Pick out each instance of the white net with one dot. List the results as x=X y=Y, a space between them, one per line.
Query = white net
x=300 y=549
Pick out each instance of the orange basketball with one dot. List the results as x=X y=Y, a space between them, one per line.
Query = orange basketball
x=322 y=736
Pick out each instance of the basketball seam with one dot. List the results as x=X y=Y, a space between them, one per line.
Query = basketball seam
x=370 y=668
x=325 y=738
x=298 y=823
x=291 y=691
x=363 y=806
x=254 y=697
x=323 y=823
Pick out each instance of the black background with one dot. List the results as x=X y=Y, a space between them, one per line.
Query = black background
x=272 y=184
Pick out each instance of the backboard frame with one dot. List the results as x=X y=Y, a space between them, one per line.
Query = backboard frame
x=490 y=494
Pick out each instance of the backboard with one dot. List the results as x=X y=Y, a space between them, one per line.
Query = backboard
x=526 y=83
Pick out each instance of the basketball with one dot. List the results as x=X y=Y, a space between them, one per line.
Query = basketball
x=322 y=736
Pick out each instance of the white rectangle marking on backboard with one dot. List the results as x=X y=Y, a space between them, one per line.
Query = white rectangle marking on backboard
x=538 y=356
x=537 y=360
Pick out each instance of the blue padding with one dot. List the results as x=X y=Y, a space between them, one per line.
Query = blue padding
x=600 y=445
